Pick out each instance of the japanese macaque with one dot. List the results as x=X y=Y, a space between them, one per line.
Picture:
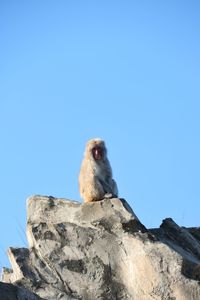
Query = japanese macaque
x=95 y=178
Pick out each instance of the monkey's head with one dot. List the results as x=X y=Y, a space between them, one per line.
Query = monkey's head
x=96 y=148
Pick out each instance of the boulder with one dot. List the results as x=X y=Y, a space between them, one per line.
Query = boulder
x=100 y=250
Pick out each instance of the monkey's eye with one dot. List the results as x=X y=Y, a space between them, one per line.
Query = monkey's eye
x=97 y=153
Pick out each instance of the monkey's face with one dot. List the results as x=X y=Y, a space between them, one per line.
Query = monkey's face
x=97 y=152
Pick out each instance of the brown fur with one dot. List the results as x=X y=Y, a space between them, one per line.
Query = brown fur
x=95 y=178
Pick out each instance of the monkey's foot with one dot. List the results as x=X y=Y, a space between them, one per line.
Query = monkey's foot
x=108 y=196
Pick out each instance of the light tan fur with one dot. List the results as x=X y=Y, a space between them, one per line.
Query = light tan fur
x=95 y=178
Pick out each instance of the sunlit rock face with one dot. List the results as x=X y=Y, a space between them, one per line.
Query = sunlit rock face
x=100 y=250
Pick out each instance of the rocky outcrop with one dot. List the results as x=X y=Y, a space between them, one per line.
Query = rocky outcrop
x=101 y=251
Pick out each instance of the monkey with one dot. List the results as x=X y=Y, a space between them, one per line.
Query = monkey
x=95 y=178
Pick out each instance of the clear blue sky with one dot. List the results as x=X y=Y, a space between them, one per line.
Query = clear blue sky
x=125 y=71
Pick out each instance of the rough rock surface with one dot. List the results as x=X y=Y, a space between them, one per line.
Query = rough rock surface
x=101 y=251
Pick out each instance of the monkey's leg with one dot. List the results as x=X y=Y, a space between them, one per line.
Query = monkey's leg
x=108 y=193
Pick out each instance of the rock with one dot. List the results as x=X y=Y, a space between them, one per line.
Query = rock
x=100 y=250
x=13 y=292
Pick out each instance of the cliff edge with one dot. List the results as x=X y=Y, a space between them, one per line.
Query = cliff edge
x=101 y=251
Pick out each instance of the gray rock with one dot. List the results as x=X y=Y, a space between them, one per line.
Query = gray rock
x=13 y=292
x=101 y=251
